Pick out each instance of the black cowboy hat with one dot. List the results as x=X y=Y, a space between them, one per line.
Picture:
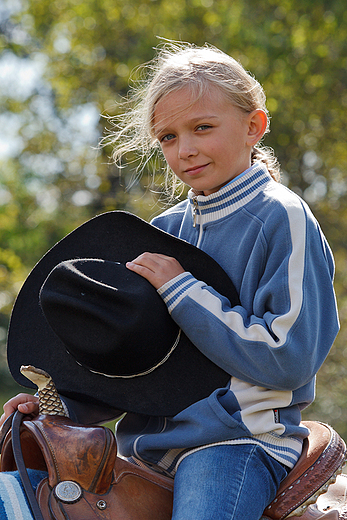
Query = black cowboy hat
x=102 y=332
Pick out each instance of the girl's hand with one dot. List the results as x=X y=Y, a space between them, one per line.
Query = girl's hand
x=25 y=403
x=156 y=268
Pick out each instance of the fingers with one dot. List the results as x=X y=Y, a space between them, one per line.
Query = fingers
x=25 y=403
x=156 y=268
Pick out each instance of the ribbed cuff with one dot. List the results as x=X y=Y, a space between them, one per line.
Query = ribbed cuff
x=173 y=291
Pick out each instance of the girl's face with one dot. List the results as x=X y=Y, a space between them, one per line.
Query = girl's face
x=206 y=143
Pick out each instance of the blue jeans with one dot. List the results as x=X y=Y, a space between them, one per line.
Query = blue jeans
x=229 y=482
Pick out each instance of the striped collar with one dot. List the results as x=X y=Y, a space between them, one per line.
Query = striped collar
x=229 y=198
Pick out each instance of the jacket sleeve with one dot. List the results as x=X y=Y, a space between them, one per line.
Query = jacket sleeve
x=285 y=338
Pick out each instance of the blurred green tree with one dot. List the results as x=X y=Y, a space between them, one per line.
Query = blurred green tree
x=65 y=62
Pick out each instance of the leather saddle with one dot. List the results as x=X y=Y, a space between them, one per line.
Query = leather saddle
x=86 y=479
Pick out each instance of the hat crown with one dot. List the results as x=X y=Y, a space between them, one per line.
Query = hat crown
x=111 y=320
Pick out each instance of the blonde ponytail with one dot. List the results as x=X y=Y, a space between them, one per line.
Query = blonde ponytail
x=266 y=156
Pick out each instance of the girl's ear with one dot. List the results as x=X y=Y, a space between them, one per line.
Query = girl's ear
x=257 y=124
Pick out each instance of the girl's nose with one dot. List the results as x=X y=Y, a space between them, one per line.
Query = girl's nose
x=186 y=149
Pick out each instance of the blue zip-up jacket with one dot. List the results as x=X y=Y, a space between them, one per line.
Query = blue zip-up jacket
x=272 y=345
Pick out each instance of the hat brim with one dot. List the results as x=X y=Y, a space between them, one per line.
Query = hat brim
x=186 y=376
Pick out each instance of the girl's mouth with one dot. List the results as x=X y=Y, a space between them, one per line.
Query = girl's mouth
x=195 y=169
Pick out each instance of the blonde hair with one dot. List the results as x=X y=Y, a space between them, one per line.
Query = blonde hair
x=179 y=65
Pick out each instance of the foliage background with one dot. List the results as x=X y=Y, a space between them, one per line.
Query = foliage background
x=65 y=62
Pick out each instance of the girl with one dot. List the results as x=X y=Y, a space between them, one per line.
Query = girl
x=228 y=453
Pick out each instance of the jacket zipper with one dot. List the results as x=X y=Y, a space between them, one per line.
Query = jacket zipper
x=195 y=213
x=195 y=210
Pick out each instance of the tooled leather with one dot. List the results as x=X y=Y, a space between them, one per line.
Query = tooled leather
x=132 y=496
x=85 y=454
x=323 y=454
x=54 y=510
x=134 y=493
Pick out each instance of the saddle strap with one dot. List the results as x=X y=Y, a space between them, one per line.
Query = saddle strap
x=18 y=456
x=5 y=428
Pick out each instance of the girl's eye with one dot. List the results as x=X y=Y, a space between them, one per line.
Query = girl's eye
x=204 y=127
x=167 y=137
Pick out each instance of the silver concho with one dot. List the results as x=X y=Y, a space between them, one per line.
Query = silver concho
x=68 y=491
